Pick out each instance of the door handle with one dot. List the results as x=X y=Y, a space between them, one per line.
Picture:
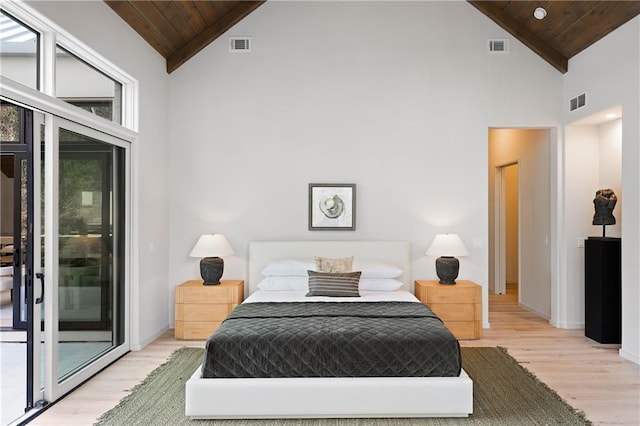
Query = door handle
x=40 y=299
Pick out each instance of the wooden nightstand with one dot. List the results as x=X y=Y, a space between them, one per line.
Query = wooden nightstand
x=458 y=305
x=201 y=308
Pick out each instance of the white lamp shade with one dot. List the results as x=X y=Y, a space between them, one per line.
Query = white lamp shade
x=447 y=245
x=211 y=245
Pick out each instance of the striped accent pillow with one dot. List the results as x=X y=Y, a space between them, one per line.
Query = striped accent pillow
x=343 y=284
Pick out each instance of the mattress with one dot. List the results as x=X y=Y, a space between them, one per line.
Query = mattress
x=388 y=335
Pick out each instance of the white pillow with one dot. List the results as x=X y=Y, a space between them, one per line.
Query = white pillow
x=376 y=268
x=380 y=284
x=284 y=283
x=298 y=267
x=302 y=283
x=293 y=267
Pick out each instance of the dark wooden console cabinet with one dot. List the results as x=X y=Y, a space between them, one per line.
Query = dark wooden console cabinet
x=602 y=293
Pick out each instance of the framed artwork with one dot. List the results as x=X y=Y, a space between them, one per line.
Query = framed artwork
x=332 y=207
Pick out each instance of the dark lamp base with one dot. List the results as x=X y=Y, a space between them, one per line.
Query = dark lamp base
x=211 y=269
x=447 y=268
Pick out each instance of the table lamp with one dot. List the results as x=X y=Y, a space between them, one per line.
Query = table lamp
x=447 y=246
x=211 y=248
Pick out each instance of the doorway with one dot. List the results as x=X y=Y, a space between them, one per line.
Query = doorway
x=64 y=231
x=519 y=159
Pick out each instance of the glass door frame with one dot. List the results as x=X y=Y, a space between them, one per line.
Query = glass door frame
x=35 y=295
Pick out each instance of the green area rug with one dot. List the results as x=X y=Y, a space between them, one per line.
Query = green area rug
x=504 y=393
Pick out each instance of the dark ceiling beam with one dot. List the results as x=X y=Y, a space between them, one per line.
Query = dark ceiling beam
x=235 y=15
x=519 y=31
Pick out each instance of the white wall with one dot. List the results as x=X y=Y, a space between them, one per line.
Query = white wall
x=394 y=97
x=593 y=161
x=530 y=148
x=609 y=72
x=610 y=172
x=102 y=30
x=582 y=150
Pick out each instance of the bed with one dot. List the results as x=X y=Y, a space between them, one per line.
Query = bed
x=328 y=397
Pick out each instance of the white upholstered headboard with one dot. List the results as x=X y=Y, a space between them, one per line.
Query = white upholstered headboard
x=262 y=252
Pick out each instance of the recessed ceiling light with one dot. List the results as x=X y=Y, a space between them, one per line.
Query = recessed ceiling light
x=539 y=13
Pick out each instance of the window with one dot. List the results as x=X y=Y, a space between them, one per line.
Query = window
x=82 y=85
x=18 y=51
x=36 y=53
x=10 y=123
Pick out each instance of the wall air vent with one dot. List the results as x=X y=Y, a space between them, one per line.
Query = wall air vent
x=498 y=45
x=578 y=102
x=240 y=44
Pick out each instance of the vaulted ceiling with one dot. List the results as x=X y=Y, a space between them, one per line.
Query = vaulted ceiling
x=180 y=29
x=568 y=28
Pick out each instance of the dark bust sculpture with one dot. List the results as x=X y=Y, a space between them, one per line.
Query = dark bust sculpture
x=604 y=203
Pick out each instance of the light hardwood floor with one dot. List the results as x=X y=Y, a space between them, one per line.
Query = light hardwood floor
x=589 y=376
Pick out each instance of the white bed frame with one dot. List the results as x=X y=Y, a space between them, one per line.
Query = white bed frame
x=334 y=397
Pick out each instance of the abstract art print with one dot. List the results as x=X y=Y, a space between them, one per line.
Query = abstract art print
x=332 y=207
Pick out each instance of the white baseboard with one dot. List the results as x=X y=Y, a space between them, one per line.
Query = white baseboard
x=567 y=325
x=535 y=311
x=629 y=356
x=150 y=339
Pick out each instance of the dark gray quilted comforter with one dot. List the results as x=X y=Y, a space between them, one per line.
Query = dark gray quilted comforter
x=332 y=339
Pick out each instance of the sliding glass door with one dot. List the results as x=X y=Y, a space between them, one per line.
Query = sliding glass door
x=64 y=249
x=85 y=253
x=21 y=303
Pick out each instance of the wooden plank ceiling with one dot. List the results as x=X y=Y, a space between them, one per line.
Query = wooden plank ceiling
x=569 y=27
x=180 y=29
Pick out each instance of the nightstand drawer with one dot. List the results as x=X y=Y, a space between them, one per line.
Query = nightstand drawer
x=455 y=311
x=202 y=312
x=446 y=294
x=196 y=330
x=206 y=294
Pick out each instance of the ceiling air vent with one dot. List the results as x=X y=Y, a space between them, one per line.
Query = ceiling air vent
x=578 y=102
x=498 y=45
x=240 y=44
